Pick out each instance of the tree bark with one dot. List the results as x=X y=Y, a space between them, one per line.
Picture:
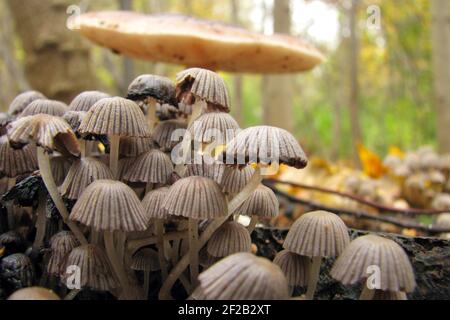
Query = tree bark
x=277 y=89
x=440 y=10
x=57 y=61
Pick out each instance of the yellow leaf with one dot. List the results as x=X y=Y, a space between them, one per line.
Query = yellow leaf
x=371 y=162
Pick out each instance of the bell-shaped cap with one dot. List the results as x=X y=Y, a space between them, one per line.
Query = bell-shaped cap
x=196 y=198
x=133 y=147
x=60 y=167
x=34 y=294
x=235 y=179
x=265 y=145
x=218 y=127
x=262 y=203
x=145 y=259
x=96 y=271
x=165 y=134
x=115 y=116
x=317 y=234
x=44 y=106
x=153 y=166
x=81 y=174
x=48 y=132
x=213 y=170
x=86 y=100
x=22 y=101
x=74 y=119
x=243 y=276
x=366 y=253
x=198 y=84
x=153 y=202
x=295 y=267
x=61 y=245
x=15 y=162
x=17 y=271
x=230 y=238
x=161 y=89
x=108 y=205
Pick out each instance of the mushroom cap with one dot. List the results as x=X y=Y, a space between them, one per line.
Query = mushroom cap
x=194 y=42
x=216 y=127
x=235 y=179
x=161 y=89
x=295 y=267
x=153 y=202
x=243 y=276
x=61 y=245
x=266 y=145
x=17 y=270
x=23 y=100
x=133 y=147
x=396 y=272
x=49 y=132
x=317 y=234
x=34 y=294
x=205 y=259
x=86 y=100
x=389 y=295
x=443 y=220
x=45 y=106
x=196 y=198
x=154 y=166
x=108 y=205
x=124 y=165
x=145 y=259
x=81 y=174
x=262 y=203
x=15 y=162
x=230 y=238
x=204 y=85
x=96 y=271
x=162 y=134
x=5 y=119
x=74 y=119
x=115 y=116
x=60 y=167
x=213 y=171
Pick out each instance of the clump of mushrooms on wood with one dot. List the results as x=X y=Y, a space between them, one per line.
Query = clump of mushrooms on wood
x=177 y=176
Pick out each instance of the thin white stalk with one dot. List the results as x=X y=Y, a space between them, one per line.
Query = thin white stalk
x=159 y=232
x=146 y=284
x=47 y=177
x=114 y=145
x=83 y=147
x=135 y=245
x=193 y=251
x=151 y=114
x=313 y=277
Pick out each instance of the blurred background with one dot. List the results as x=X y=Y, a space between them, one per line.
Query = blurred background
x=385 y=83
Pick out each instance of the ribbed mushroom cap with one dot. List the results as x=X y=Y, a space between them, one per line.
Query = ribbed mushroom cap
x=60 y=167
x=389 y=295
x=317 y=234
x=162 y=134
x=108 y=205
x=115 y=116
x=196 y=198
x=96 y=271
x=295 y=267
x=262 y=203
x=443 y=220
x=81 y=174
x=161 y=89
x=33 y=294
x=86 y=100
x=14 y=162
x=153 y=202
x=17 y=269
x=74 y=119
x=235 y=179
x=205 y=259
x=44 y=106
x=230 y=238
x=49 y=132
x=23 y=100
x=194 y=42
x=243 y=276
x=201 y=84
x=124 y=165
x=61 y=245
x=216 y=127
x=153 y=166
x=266 y=145
x=213 y=171
x=145 y=260
x=133 y=147
x=5 y=119
x=396 y=272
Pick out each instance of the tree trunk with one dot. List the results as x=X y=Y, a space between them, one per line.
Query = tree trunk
x=441 y=52
x=237 y=79
x=277 y=89
x=57 y=61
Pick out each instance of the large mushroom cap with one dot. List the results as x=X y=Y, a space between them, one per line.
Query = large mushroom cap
x=243 y=276
x=193 y=42
x=396 y=272
x=230 y=238
x=44 y=106
x=14 y=162
x=23 y=100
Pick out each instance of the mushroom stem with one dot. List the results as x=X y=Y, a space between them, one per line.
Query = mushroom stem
x=159 y=232
x=252 y=225
x=235 y=203
x=146 y=284
x=49 y=181
x=135 y=245
x=151 y=114
x=193 y=251
x=313 y=277
x=114 y=144
x=72 y=294
x=117 y=265
x=175 y=251
x=95 y=238
x=83 y=147
x=41 y=221
x=366 y=294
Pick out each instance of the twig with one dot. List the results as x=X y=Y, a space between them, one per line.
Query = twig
x=383 y=208
x=362 y=214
